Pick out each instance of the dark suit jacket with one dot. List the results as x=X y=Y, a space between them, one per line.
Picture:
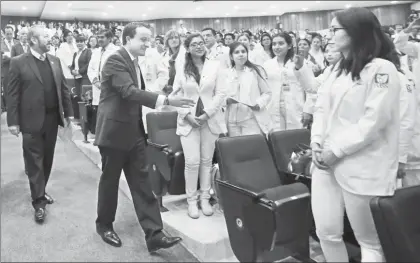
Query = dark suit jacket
x=18 y=50
x=5 y=63
x=84 y=60
x=119 y=122
x=25 y=97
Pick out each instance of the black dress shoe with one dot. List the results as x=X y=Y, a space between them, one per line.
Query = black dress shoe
x=163 y=242
x=110 y=237
x=40 y=215
x=49 y=199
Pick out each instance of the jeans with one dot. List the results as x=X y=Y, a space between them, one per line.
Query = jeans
x=198 y=147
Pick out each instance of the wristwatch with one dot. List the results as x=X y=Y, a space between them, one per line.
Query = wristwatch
x=166 y=101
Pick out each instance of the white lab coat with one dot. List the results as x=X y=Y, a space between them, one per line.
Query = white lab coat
x=260 y=56
x=408 y=110
x=94 y=70
x=255 y=91
x=65 y=53
x=212 y=91
x=220 y=53
x=360 y=124
x=287 y=105
x=155 y=75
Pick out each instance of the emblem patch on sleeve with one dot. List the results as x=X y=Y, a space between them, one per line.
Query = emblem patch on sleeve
x=408 y=88
x=382 y=80
x=412 y=83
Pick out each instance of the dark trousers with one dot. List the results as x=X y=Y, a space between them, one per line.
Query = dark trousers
x=92 y=114
x=76 y=94
x=3 y=94
x=133 y=162
x=38 y=152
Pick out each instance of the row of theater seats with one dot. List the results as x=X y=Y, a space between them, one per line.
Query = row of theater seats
x=267 y=210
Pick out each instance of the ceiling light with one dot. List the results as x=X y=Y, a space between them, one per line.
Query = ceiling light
x=189 y=14
x=318 y=2
x=272 y=6
x=150 y=8
x=394 y=2
x=236 y=7
x=144 y=15
x=63 y=13
x=23 y=7
x=227 y=14
x=263 y=13
x=197 y=8
x=348 y=6
x=69 y=4
x=104 y=14
x=305 y=8
x=110 y=6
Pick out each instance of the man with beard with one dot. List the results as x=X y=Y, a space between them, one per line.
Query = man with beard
x=38 y=100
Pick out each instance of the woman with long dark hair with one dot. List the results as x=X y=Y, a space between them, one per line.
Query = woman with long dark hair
x=354 y=136
x=290 y=106
x=266 y=52
x=201 y=80
x=248 y=96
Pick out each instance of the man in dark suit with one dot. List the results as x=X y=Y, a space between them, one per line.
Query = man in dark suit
x=6 y=47
x=22 y=46
x=38 y=100
x=121 y=139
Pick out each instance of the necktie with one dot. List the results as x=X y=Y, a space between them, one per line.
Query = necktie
x=100 y=63
x=138 y=73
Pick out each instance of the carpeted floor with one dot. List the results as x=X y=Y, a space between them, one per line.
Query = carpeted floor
x=69 y=231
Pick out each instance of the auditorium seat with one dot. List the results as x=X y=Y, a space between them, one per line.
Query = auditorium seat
x=397 y=220
x=266 y=220
x=282 y=144
x=165 y=155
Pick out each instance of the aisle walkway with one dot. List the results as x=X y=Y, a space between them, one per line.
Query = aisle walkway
x=69 y=231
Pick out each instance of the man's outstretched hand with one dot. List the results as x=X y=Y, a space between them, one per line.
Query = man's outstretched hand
x=178 y=101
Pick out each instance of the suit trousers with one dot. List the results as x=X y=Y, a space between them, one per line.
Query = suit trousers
x=38 y=154
x=134 y=164
x=329 y=201
x=198 y=147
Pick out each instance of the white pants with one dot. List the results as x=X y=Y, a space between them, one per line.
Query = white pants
x=198 y=147
x=248 y=127
x=329 y=201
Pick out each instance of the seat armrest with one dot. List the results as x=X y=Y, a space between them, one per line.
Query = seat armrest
x=254 y=195
x=283 y=194
x=156 y=145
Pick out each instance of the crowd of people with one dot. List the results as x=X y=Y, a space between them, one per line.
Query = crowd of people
x=356 y=88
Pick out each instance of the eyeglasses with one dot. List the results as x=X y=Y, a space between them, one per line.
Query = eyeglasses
x=196 y=45
x=335 y=29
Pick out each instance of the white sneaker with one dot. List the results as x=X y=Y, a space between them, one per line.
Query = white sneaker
x=193 y=211
x=206 y=207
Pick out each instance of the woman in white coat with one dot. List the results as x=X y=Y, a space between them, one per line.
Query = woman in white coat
x=355 y=135
x=248 y=95
x=290 y=107
x=199 y=127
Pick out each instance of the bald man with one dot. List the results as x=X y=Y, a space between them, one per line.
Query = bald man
x=38 y=100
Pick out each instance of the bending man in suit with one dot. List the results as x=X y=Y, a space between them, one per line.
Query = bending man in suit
x=38 y=100
x=120 y=137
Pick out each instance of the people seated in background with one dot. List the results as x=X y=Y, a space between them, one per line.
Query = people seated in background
x=201 y=80
x=353 y=164
x=248 y=94
x=290 y=107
